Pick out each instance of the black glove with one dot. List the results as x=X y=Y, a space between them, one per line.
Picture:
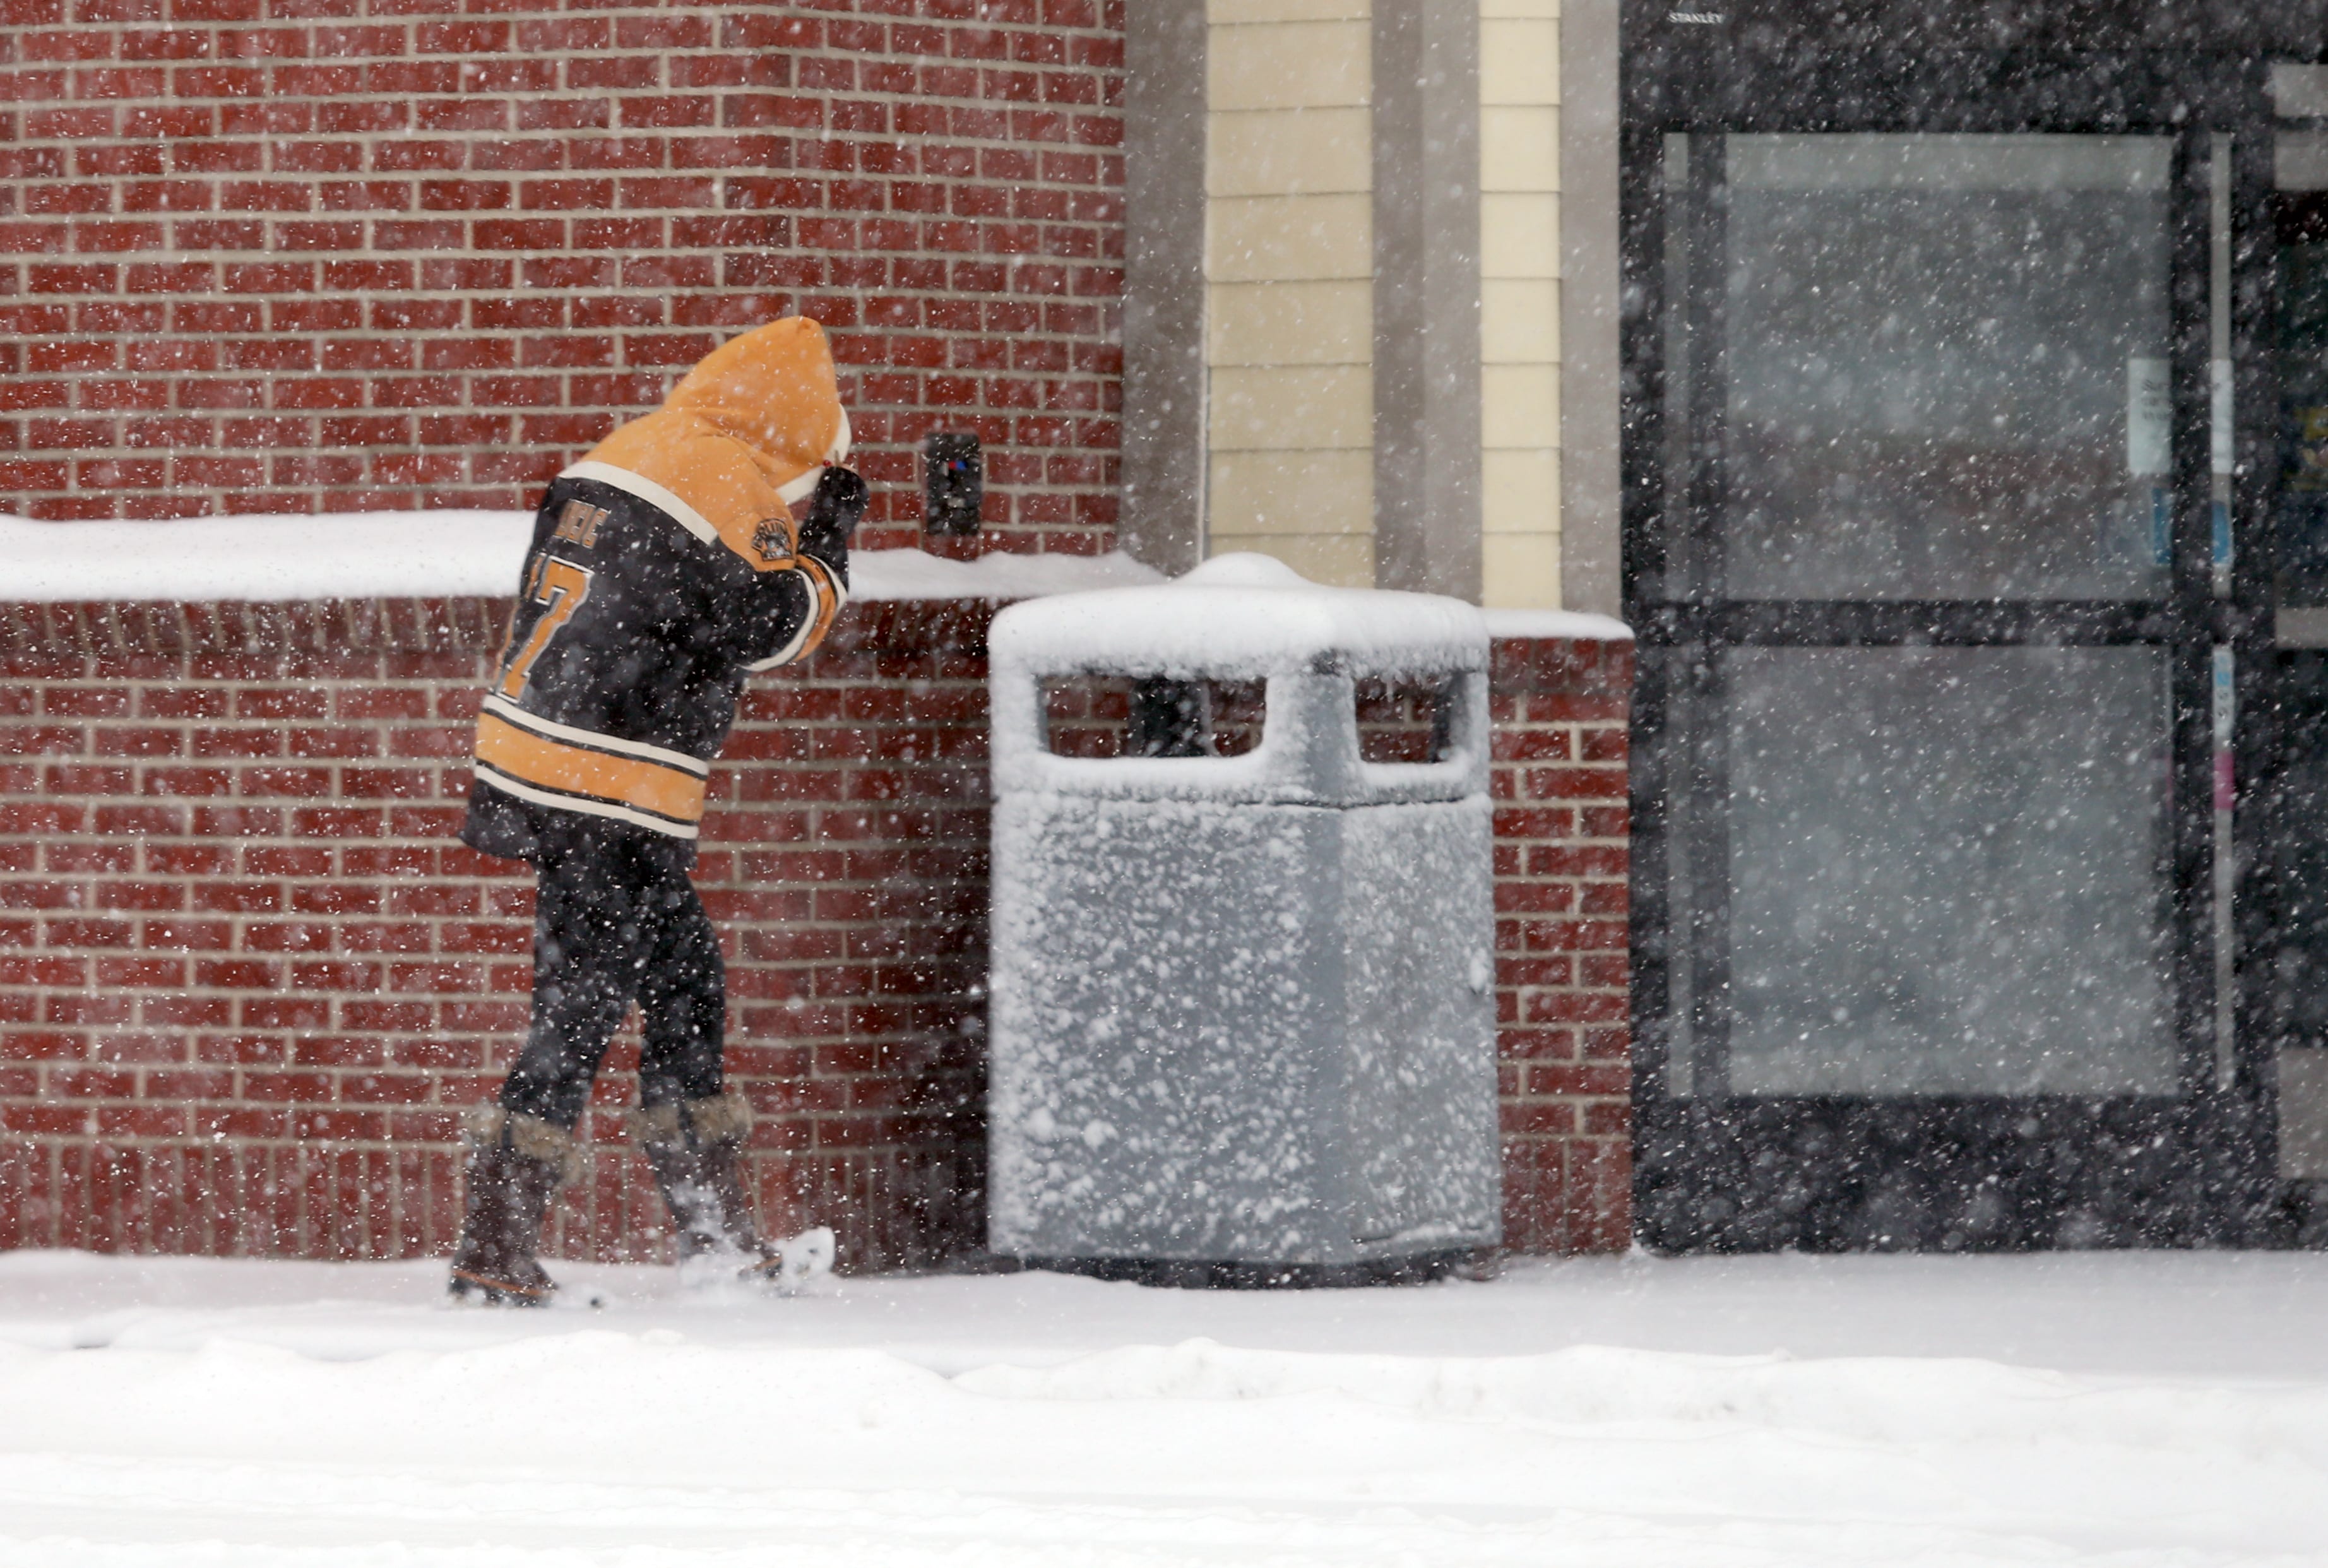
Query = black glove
x=832 y=514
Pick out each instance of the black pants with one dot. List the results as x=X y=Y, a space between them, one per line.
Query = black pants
x=615 y=922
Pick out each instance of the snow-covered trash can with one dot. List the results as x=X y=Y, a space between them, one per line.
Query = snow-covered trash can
x=1242 y=1020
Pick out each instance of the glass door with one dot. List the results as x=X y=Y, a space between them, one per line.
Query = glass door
x=1930 y=558
x=2298 y=832
x=2301 y=582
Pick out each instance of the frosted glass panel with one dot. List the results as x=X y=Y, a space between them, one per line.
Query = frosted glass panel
x=1947 y=871
x=1946 y=367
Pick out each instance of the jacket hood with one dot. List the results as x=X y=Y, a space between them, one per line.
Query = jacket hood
x=774 y=390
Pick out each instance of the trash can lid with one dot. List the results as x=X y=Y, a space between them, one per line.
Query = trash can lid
x=1240 y=616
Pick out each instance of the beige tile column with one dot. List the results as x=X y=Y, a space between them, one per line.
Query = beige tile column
x=1519 y=317
x=1288 y=277
x=1292 y=310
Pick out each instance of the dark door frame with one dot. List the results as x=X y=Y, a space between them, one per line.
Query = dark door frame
x=1713 y=1171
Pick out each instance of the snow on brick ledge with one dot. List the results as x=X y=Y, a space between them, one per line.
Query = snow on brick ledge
x=454 y=553
x=1555 y=625
x=424 y=555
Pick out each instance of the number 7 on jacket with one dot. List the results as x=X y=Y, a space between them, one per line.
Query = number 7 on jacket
x=560 y=585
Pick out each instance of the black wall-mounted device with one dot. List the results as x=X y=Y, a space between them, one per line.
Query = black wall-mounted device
x=953 y=483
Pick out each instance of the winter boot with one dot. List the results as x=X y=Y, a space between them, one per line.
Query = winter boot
x=696 y=1150
x=515 y=1162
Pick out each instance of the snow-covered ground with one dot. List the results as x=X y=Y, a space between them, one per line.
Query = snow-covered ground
x=2144 y=1408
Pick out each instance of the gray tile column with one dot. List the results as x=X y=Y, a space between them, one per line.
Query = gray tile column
x=1163 y=521
x=1589 y=284
x=1426 y=212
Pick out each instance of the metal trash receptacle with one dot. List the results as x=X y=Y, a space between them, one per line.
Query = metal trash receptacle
x=1242 y=1011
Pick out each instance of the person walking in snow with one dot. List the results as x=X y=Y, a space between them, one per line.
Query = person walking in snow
x=665 y=568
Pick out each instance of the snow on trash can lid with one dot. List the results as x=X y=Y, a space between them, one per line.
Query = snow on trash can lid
x=1237 y=617
x=1246 y=617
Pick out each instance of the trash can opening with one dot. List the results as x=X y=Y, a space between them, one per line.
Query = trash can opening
x=1096 y=714
x=1408 y=719
x=1241 y=684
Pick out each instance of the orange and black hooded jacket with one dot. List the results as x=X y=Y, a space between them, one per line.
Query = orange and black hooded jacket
x=665 y=566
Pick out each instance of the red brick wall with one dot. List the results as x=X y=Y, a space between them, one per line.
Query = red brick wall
x=341 y=254
x=1559 y=711
x=248 y=978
